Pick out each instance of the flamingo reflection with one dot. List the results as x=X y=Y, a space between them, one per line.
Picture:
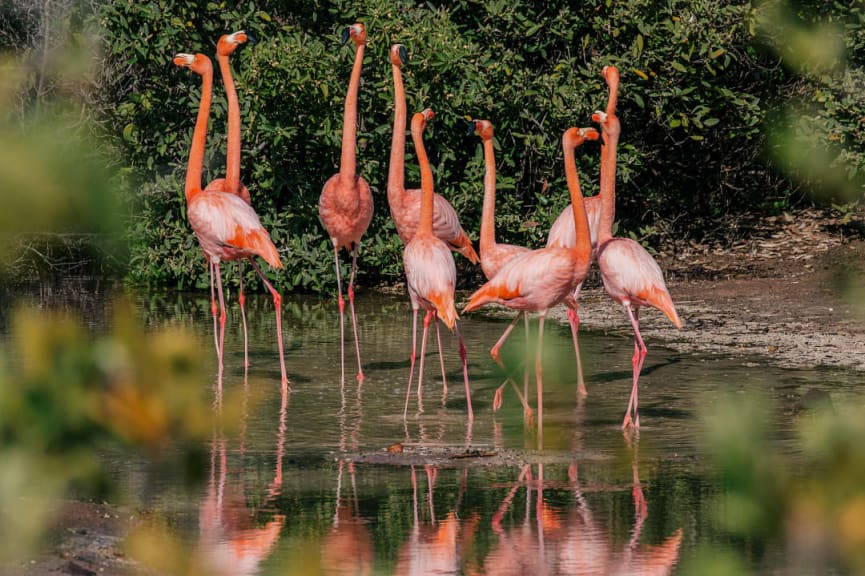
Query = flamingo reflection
x=573 y=543
x=436 y=546
x=231 y=542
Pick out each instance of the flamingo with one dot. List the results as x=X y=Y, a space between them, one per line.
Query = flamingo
x=231 y=184
x=543 y=278
x=493 y=254
x=226 y=226
x=631 y=276
x=429 y=267
x=345 y=206
x=405 y=204
x=562 y=234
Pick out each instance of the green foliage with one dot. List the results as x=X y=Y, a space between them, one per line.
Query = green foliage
x=696 y=96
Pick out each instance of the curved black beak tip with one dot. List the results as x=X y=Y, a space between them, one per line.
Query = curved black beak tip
x=251 y=40
x=403 y=55
x=471 y=127
x=345 y=35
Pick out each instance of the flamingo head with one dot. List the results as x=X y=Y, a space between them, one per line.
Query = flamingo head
x=398 y=55
x=574 y=137
x=419 y=120
x=610 y=75
x=228 y=43
x=357 y=33
x=198 y=63
x=484 y=128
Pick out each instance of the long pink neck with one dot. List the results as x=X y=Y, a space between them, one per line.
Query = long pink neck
x=232 y=167
x=583 y=247
x=347 y=167
x=425 y=225
x=199 y=138
x=608 y=181
x=488 y=214
x=396 y=168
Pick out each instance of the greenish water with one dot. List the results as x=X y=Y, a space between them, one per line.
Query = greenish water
x=307 y=485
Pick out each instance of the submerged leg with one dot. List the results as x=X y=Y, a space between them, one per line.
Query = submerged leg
x=351 y=307
x=574 y=321
x=464 y=359
x=494 y=352
x=221 y=327
x=277 y=304
x=539 y=377
x=214 y=309
x=413 y=355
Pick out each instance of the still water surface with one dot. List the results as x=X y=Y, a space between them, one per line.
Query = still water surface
x=307 y=484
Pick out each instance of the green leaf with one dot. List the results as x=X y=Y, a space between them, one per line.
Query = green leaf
x=678 y=66
x=710 y=121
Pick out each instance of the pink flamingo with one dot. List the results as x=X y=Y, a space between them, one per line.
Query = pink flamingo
x=345 y=206
x=543 y=278
x=405 y=204
x=495 y=255
x=429 y=266
x=226 y=226
x=631 y=276
x=231 y=184
x=562 y=234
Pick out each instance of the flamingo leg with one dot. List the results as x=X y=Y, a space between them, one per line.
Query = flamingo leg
x=351 y=307
x=539 y=377
x=277 y=304
x=528 y=415
x=413 y=356
x=426 y=320
x=574 y=321
x=241 y=297
x=221 y=326
x=494 y=352
x=637 y=365
x=464 y=359
x=441 y=353
x=341 y=312
x=214 y=310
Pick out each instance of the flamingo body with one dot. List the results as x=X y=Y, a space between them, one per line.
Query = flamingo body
x=229 y=229
x=431 y=276
x=533 y=281
x=345 y=209
x=631 y=275
x=563 y=233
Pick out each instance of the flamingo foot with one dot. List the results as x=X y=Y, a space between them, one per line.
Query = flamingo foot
x=497 y=398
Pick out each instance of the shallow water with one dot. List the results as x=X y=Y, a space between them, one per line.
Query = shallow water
x=308 y=482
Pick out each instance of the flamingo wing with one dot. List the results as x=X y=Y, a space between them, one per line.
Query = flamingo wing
x=536 y=280
x=631 y=274
x=228 y=226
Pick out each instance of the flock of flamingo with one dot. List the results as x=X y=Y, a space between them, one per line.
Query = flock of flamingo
x=525 y=280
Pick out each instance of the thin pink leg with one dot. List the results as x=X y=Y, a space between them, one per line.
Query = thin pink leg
x=277 y=304
x=214 y=309
x=426 y=321
x=241 y=297
x=464 y=359
x=441 y=353
x=221 y=326
x=413 y=356
x=351 y=307
x=494 y=352
x=528 y=415
x=637 y=366
x=539 y=377
x=574 y=320
x=341 y=313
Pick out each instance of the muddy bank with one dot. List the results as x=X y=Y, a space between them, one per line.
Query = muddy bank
x=791 y=295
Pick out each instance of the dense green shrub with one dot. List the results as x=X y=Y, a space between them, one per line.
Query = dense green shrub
x=701 y=83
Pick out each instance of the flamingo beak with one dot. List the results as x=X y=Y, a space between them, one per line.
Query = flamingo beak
x=472 y=127
x=251 y=40
x=403 y=55
x=345 y=35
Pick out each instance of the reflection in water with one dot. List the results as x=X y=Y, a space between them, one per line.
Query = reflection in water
x=348 y=547
x=232 y=540
x=572 y=542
